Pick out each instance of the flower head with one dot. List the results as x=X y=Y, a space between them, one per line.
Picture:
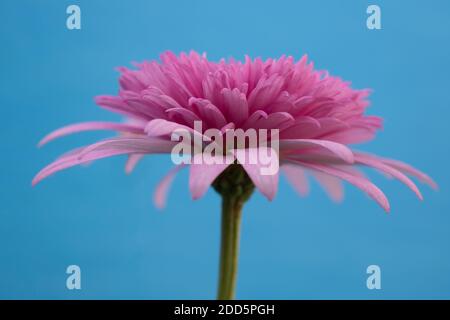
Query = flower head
x=316 y=116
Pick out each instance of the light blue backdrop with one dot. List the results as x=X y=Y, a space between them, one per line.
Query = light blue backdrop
x=105 y=222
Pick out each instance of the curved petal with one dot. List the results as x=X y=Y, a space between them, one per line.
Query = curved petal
x=161 y=127
x=203 y=171
x=301 y=127
x=296 y=176
x=90 y=126
x=130 y=145
x=372 y=190
x=253 y=164
x=104 y=149
x=160 y=195
x=132 y=161
x=116 y=104
x=332 y=185
x=338 y=149
x=406 y=168
x=274 y=120
x=185 y=115
x=379 y=165
x=236 y=103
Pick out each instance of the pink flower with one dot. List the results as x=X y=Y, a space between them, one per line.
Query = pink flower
x=317 y=115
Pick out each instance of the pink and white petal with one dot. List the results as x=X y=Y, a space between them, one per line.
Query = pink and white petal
x=91 y=126
x=131 y=145
x=161 y=191
x=70 y=161
x=335 y=148
x=296 y=176
x=379 y=165
x=203 y=172
x=372 y=190
x=161 y=127
x=103 y=149
x=251 y=161
x=408 y=169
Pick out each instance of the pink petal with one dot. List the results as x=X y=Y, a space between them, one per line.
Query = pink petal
x=372 y=190
x=296 y=177
x=160 y=195
x=331 y=185
x=337 y=149
x=378 y=164
x=256 y=116
x=156 y=97
x=104 y=149
x=276 y=120
x=236 y=103
x=208 y=112
x=125 y=145
x=267 y=184
x=186 y=116
x=406 y=168
x=132 y=161
x=202 y=175
x=116 y=104
x=161 y=127
x=90 y=126
x=300 y=129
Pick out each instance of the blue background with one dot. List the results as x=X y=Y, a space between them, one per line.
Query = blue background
x=105 y=222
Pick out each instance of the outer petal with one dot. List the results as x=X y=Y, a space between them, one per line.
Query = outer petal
x=161 y=127
x=372 y=190
x=91 y=126
x=132 y=161
x=160 y=195
x=337 y=149
x=378 y=164
x=124 y=145
x=104 y=149
x=266 y=183
x=331 y=185
x=406 y=168
x=296 y=176
x=202 y=174
x=116 y=104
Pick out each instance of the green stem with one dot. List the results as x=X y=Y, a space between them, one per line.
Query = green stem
x=235 y=187
x=229 y=249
